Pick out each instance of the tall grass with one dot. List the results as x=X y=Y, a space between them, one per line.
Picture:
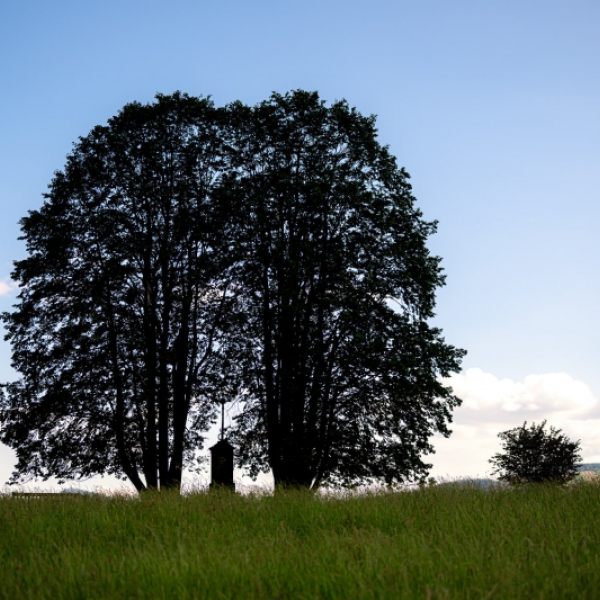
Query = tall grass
x=446 y=541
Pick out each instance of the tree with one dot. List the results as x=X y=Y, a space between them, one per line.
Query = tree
x=535 y=455
x=341 y=368
x=120 y=316
x=188 y=255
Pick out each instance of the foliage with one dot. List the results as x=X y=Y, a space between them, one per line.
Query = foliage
x=118 y=315
x=440 y=543
x=536 y=455
x=342 y=368
x=188 y=255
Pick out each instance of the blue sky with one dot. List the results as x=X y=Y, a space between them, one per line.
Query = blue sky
x=493 y=107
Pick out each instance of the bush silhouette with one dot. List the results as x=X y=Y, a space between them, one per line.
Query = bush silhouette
x=536 y=455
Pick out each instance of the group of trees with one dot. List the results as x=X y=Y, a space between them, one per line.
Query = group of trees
x=188 y=255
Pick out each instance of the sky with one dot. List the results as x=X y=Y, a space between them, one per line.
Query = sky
x=492 y=107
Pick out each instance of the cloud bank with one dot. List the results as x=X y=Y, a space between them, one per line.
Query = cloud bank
x=491 y=405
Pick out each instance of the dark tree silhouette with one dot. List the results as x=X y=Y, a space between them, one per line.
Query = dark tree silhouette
x=342 y=369
x=188 y=255
x=536 y=455
x=121 y=300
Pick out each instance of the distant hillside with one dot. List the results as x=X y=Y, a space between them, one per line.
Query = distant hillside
x=589 y=467
x=470 y=482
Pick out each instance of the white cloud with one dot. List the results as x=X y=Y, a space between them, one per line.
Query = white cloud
x=7 y=287
x=490 y=397
x=491 y=405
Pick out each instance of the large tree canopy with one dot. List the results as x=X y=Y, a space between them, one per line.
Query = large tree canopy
x=188 y=254
x=120 y=301
x=337 y=284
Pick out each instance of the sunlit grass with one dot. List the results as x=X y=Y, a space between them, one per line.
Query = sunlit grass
x=445 y=541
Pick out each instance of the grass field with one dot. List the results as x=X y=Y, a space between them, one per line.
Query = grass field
x=440 y=542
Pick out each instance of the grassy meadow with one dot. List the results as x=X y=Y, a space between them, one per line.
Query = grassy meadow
x=445 y=541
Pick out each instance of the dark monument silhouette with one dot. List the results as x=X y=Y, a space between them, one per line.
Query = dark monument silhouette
x=221 y=460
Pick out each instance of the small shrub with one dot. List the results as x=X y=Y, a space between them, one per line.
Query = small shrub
x=534 y=455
